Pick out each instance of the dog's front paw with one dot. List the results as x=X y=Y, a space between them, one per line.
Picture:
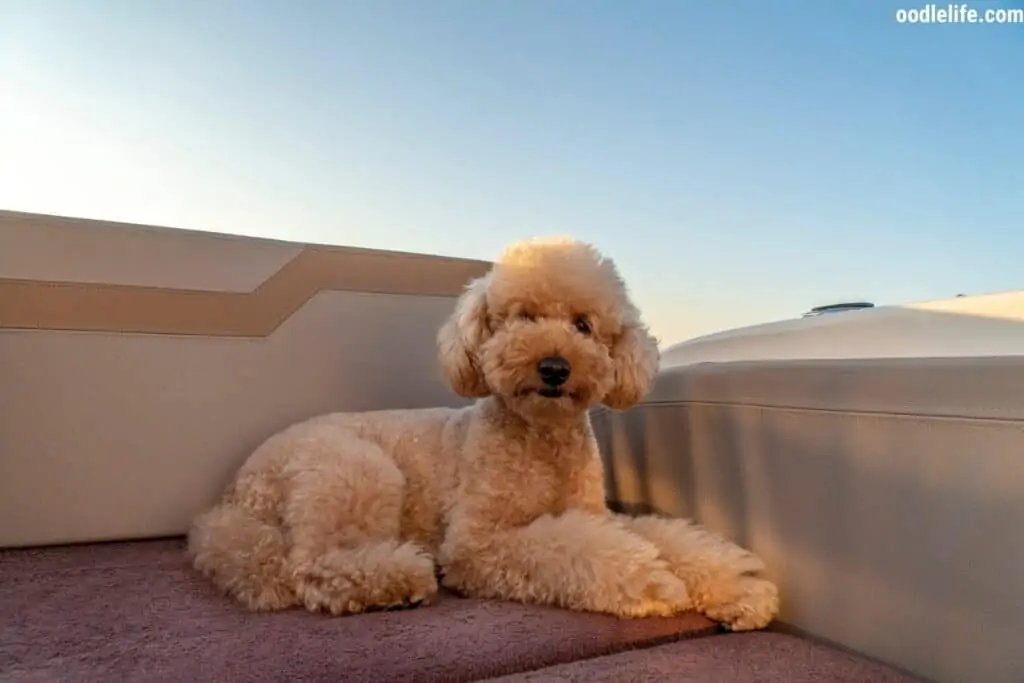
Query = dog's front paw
x=653 y=591
x=743 y=603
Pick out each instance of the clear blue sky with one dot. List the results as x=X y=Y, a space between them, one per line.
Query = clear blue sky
x=741 y=160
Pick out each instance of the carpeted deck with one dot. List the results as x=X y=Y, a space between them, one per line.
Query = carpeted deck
x=132 y=612
x=735 y=658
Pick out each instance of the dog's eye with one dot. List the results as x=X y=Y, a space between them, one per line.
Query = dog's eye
x=529 y=317
x=581 y=325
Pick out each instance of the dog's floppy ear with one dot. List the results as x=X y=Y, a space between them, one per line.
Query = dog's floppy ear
x=460 y=338
x=635 y=357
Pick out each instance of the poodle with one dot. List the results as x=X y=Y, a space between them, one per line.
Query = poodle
x=502 y=499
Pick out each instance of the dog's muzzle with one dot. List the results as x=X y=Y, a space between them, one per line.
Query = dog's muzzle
x=554 y=371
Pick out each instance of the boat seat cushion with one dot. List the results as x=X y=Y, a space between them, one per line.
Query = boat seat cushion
x=138 y=612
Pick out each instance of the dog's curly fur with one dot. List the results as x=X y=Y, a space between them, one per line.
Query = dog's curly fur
x=349 y=512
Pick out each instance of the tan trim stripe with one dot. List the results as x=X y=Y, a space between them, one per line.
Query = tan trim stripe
x=31 y=304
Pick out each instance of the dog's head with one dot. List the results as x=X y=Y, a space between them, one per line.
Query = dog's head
x=550 y=329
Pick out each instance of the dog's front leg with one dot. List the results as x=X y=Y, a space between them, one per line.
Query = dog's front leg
x=723 y=578
x=577 y=560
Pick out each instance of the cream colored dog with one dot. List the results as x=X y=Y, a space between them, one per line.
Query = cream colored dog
x=352 y=511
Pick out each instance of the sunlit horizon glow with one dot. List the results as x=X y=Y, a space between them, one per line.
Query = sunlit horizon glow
x=740 y=167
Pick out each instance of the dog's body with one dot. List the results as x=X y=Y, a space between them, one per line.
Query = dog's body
x=353 y=511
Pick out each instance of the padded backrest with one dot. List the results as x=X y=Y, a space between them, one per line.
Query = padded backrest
x=141 y=365
x=886 y=495
x=967 y=326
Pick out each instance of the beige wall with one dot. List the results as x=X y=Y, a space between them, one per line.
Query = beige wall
x=141 y=365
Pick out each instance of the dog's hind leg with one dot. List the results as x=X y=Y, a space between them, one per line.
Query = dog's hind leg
x=344 y=520
x=244 y=556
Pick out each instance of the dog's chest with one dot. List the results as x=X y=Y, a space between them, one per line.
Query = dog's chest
x=542 y=488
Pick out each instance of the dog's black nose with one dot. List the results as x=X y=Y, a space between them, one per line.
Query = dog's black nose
x=554 y=370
